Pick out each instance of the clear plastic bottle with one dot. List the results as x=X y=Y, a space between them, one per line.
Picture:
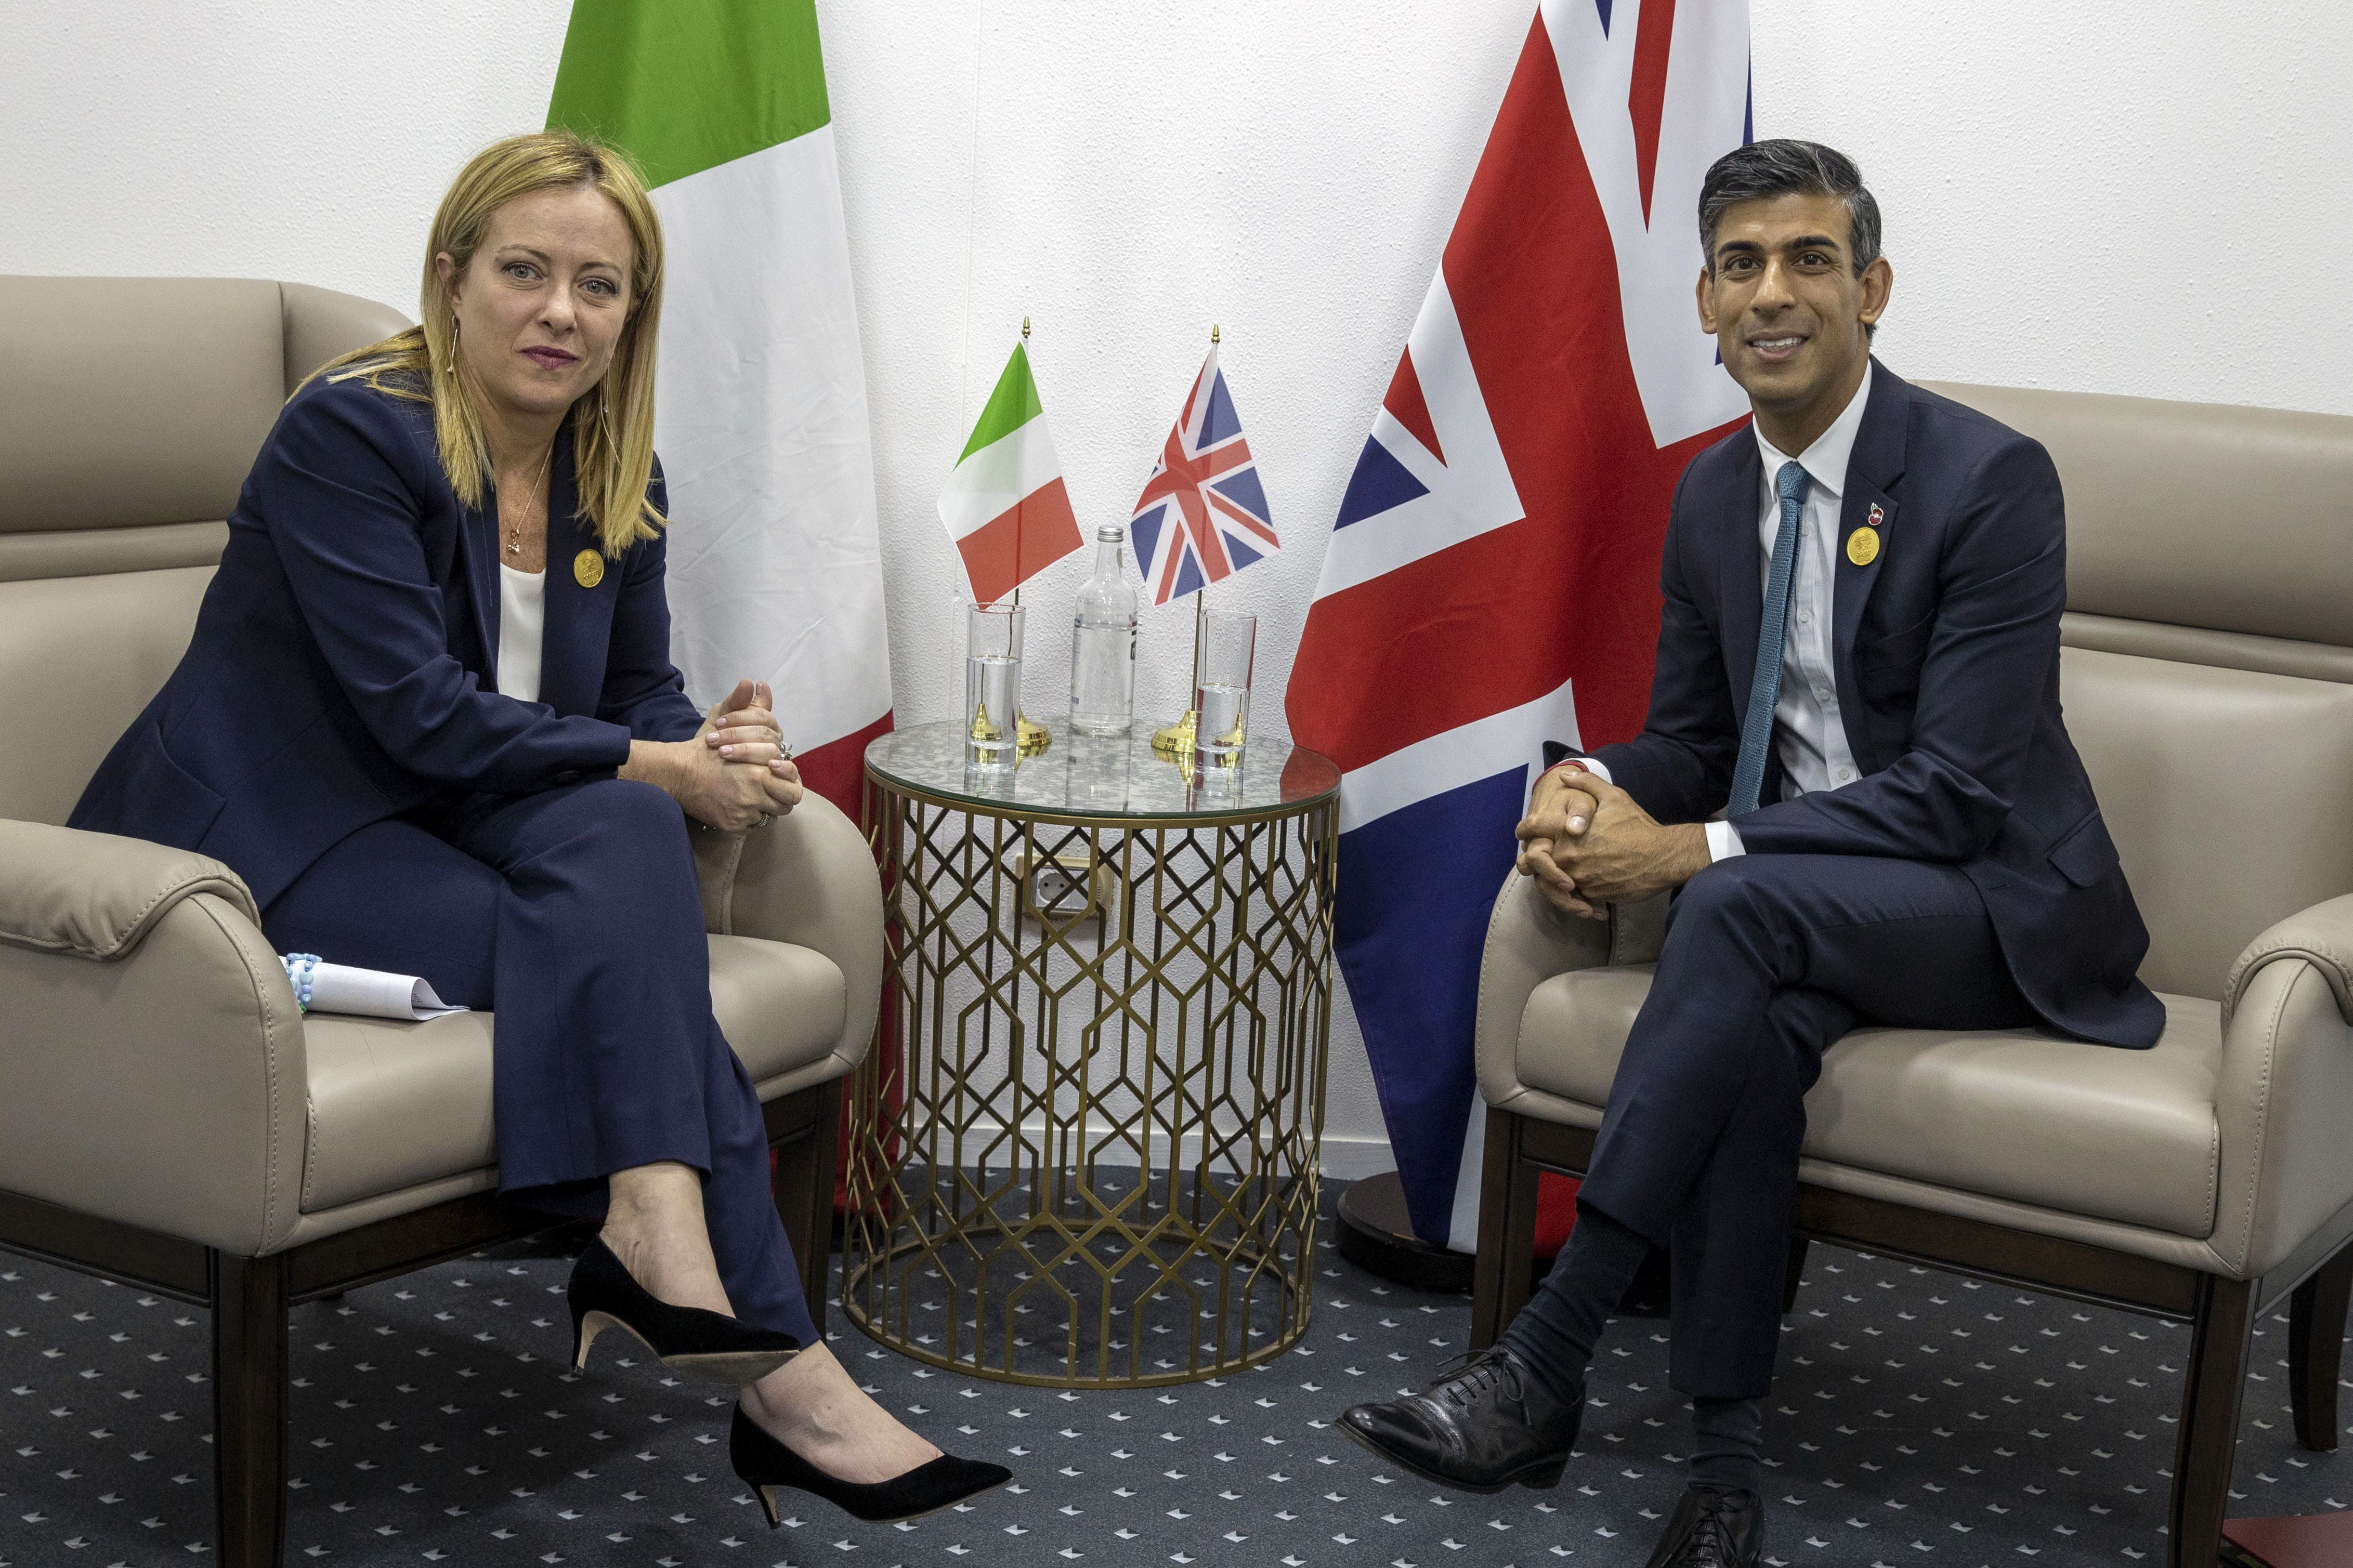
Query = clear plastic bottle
x=1103 y=642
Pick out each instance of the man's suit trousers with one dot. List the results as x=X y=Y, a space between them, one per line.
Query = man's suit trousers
x=574 y=915
x=1768 y=960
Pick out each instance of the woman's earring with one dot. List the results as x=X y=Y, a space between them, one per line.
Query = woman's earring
x=451 y=368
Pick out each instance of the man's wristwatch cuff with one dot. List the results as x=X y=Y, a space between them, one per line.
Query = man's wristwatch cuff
x=1585 y=765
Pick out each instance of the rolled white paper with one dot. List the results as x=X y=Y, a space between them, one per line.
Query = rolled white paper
x=373 y=993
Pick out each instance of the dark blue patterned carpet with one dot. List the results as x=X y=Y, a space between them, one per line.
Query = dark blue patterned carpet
x=1919 y=1419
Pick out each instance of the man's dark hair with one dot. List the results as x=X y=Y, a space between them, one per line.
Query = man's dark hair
x=1783 y=168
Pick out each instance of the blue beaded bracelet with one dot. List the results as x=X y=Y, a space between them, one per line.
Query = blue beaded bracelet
x=298 y=969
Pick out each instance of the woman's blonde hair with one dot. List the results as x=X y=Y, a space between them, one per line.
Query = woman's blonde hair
x=613 y=421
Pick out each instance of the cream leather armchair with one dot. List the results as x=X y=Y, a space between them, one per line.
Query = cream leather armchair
x=166 y=1114
x=2207 y=675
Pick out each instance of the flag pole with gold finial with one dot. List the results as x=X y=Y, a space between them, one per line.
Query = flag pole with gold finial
x=1177 y=740
x=1029 y=738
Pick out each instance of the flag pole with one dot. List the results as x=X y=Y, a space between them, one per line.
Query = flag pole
x=1177 y=740
x=1029 y=738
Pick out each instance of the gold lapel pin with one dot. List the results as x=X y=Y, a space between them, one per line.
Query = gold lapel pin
x=588 y=568
x=1862 y=546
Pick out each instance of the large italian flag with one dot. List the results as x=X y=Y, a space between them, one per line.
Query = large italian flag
x=775 y=562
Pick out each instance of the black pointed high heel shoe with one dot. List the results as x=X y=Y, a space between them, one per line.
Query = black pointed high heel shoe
x=763 y=1464
x=709 y=1347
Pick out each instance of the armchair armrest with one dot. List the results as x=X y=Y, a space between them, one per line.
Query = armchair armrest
x=2321 y=936
x=1528 y=942
x=2284 y=1167
x=1637 y=931
x=95 y=895
x=809 y=878
x=151 y=1068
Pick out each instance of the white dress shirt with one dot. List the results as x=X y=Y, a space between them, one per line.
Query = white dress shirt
x=1808 y=735
x=522 y=611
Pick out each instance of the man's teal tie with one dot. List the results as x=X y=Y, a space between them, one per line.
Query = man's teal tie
x=1764 y=687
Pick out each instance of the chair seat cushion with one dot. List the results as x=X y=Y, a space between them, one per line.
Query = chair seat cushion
x=2019 y=1114
x=394 y=1104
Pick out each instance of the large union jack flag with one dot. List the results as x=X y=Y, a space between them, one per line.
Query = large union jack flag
x=1492 y=583
x=1202 y=516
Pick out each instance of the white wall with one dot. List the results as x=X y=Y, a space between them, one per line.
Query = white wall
x=2119 y=195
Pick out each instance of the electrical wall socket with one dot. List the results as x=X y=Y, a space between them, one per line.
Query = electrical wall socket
x=1058 y=887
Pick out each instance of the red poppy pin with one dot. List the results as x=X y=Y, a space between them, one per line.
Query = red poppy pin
x=1877 y=516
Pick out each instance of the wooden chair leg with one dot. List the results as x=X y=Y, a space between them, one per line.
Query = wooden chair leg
x=803 y=1191
x=2315 y=1348
x=249 y=1380
x=825 y=1160
x=2209 y=1440
x=1507 y=1231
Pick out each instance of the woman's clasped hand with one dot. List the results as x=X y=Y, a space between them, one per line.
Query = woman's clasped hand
x=736 y=773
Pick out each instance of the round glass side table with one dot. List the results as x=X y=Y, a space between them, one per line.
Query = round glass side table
x=1083 y=1150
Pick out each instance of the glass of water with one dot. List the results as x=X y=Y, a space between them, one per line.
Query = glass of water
x=1221 y=685
x=992 y=683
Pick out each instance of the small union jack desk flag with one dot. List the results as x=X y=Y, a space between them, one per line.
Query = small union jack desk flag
x=1203 y=516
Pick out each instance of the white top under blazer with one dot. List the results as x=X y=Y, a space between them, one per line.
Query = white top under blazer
x=523 y=615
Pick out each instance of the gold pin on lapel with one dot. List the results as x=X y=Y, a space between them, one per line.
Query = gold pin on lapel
x=588 y=568
x=1862 y=546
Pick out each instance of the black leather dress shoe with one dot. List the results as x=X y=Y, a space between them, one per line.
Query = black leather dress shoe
x=1714 y=1527
x=1489 y=1426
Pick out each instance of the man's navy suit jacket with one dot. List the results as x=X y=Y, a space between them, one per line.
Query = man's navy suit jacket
x=342 y=668
x=1946 y=651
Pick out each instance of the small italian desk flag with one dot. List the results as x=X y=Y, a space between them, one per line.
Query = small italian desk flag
x=1005 y=505
x=775 y=561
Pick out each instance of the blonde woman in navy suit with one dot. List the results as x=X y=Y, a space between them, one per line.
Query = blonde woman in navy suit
x=429 y=715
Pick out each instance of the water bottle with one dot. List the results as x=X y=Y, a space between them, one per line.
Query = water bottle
x=1103 y=642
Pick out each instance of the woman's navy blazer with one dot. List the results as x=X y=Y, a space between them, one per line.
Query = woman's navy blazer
x=343 y=666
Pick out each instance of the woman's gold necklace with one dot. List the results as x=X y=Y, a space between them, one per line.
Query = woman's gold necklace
x=514 y=529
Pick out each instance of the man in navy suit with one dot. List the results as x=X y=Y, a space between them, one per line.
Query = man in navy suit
x=1855 y=771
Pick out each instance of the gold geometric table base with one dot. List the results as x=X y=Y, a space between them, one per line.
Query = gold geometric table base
x=1083 y=1151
